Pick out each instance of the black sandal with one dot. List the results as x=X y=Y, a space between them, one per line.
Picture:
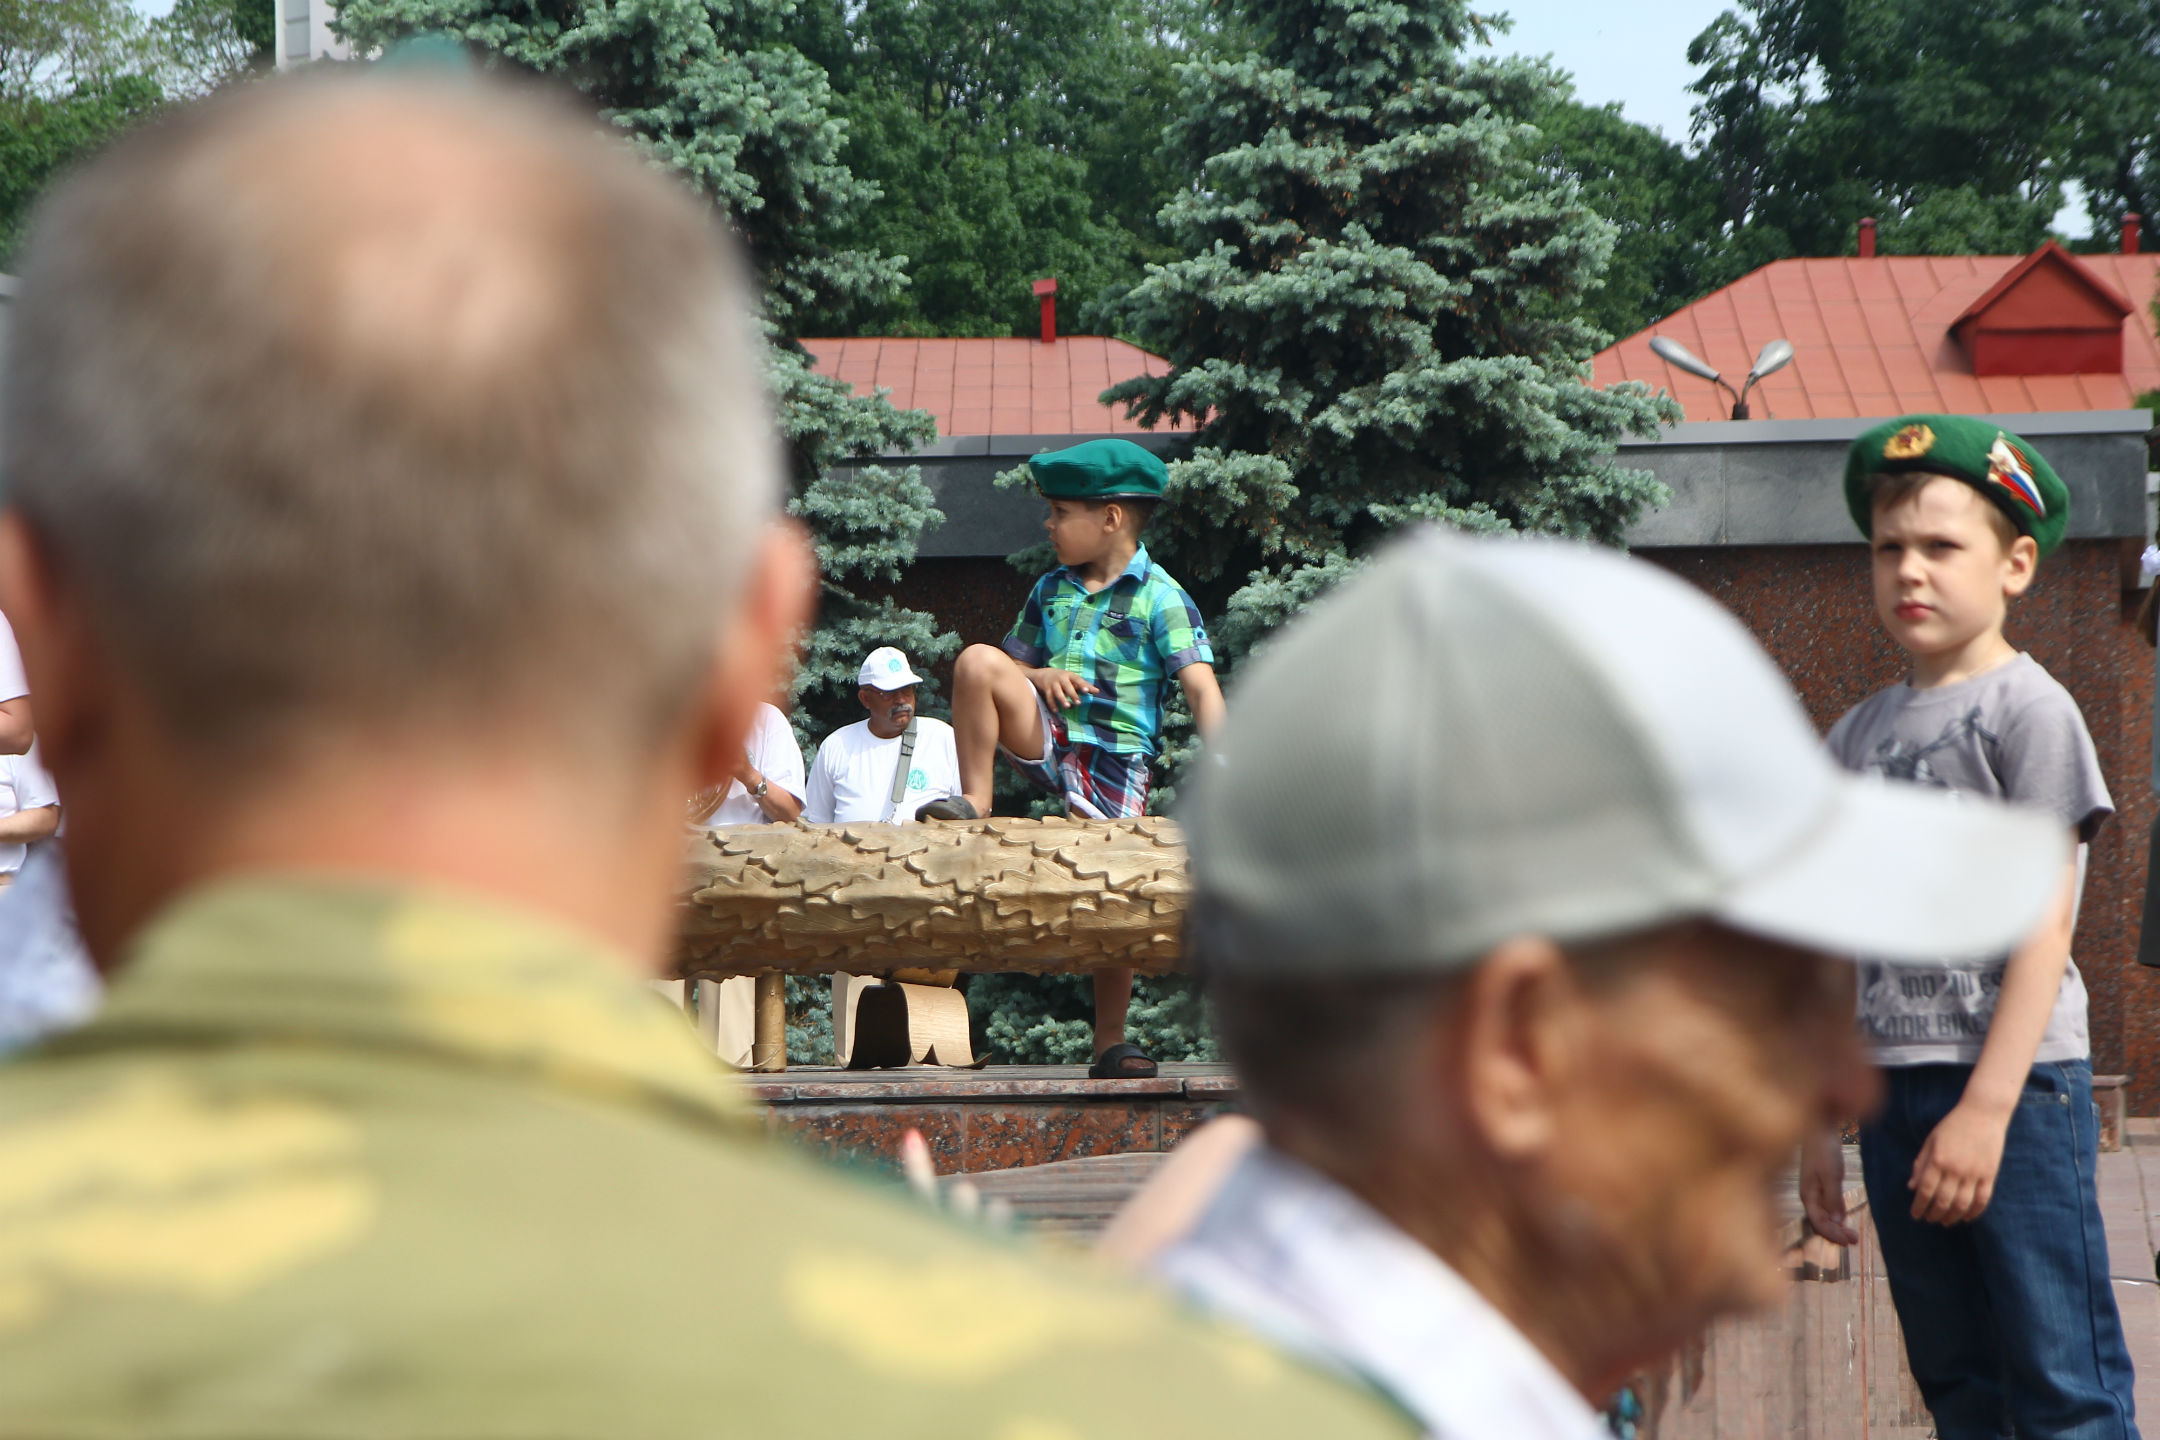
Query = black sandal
x=1110 y=1065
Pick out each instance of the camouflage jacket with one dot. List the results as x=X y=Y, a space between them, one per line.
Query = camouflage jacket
x=350 y=1160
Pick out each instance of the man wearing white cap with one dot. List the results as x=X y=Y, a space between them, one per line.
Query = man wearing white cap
x=883 y=768
x=1521 y=886
x=859 y=772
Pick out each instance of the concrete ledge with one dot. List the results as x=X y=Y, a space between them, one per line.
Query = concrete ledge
x=1781 y=482
x=1734 y=482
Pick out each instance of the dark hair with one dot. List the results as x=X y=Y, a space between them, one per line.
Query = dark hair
x=1328 y=1050
x=1140 y=507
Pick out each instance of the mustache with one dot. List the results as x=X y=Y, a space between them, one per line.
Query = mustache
x=900 y=712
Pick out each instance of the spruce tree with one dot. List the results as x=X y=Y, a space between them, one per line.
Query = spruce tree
x=715 y=91
x=1379 y=319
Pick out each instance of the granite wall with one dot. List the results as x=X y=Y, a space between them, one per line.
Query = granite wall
x=1811 y=607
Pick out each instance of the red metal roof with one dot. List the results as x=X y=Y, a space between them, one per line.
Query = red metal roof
x=1872 y=338
x=995 y=387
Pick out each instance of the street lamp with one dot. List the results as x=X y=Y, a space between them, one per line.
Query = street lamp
x=1774 y=356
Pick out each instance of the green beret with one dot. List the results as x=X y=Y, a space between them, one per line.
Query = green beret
x=1099 y=470
x=1998 y=464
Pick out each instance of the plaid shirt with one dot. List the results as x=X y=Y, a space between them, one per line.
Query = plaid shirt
x=1129 y=661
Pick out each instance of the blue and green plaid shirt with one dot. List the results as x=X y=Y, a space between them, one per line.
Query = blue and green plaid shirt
x=1130 y=660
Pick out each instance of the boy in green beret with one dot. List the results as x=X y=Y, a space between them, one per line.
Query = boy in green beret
x=1980 y=1166
x=1074 y=696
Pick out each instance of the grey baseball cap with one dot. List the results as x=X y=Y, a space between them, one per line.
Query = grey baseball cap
x=1480 y=739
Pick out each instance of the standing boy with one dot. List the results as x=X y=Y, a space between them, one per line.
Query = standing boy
x=1980 y=1166
x=1074 y=697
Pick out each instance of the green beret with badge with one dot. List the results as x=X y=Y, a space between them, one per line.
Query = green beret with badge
x=2004 y=467
x=1100 y=470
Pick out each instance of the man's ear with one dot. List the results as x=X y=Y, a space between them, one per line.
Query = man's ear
x=756 y=655
x=1518 y=1025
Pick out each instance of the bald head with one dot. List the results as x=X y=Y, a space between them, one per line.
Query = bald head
x=353 y=405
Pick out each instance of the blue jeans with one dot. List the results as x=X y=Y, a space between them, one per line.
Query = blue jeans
x=2010 y=1322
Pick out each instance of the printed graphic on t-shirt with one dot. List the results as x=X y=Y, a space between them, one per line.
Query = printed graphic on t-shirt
x=2011 y=734
x=1899 y=759
x=1946 y=1005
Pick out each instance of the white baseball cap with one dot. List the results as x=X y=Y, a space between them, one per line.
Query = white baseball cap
x=1480 y=739
x=886 y=669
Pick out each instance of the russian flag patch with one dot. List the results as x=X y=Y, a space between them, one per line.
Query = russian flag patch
x=2008 y=467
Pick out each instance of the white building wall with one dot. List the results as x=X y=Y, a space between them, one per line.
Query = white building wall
x=304 y=32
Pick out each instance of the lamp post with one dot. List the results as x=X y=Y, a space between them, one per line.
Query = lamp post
x=1774 y=356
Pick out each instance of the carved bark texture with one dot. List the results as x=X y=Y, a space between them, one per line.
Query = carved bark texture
x=1032 y=895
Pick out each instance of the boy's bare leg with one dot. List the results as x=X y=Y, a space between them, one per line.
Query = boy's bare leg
x=1113 y=996
x=993 y=704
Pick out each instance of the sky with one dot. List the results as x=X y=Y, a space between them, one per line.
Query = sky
x=1632 y=51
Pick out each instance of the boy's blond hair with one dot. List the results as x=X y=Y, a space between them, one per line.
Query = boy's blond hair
x=1896 y=488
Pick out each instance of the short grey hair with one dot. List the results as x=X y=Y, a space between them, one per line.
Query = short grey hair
x=382 y=402
x=1330 y=1052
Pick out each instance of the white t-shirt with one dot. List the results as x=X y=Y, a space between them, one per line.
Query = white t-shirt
x=773 y=753
x=12 y=684
x=852 y=778
x=24 y=785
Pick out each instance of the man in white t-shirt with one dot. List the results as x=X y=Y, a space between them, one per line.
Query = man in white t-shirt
x=29 y=811
x=858 y=771
x=854 y=775
x=16 y=732
x=47 y=982
x=767 y=788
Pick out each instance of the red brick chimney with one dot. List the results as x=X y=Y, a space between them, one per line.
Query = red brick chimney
x=2130 y=233
x=1047 y=289
x=1867 y=238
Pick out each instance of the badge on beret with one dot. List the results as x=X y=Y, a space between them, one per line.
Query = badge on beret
x=1910 y=443
x=2014 y=476
x=2008 y=467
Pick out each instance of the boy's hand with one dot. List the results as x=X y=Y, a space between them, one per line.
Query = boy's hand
x=1954 y=1178
x=1061 y=688
x=1822 y=1188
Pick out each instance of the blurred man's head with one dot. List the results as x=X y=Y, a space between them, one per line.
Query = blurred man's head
x=1523 y=933
x=382 y=421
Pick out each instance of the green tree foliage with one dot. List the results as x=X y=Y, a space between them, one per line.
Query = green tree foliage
x=717 y=91
x=208 y=43
x=1661 y=201
x=73 y=74
x=2118 y=156
x=76 y=73
x=1956 y=122
x=1049 y=1019
x=1379 y=319
x=1012 y=139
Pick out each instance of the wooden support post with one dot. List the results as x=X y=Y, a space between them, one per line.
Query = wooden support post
x=768 y=1042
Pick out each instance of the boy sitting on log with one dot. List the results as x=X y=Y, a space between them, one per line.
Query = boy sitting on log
x=1074 y=696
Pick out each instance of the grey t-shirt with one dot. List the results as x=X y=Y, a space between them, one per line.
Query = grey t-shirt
x=2011 y=733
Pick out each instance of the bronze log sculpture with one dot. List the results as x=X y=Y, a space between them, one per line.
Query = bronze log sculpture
x=1041 y=896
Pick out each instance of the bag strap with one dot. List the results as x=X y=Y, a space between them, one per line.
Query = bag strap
x=900 y=771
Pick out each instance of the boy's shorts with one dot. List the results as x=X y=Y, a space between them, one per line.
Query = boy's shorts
x=1096 y=784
